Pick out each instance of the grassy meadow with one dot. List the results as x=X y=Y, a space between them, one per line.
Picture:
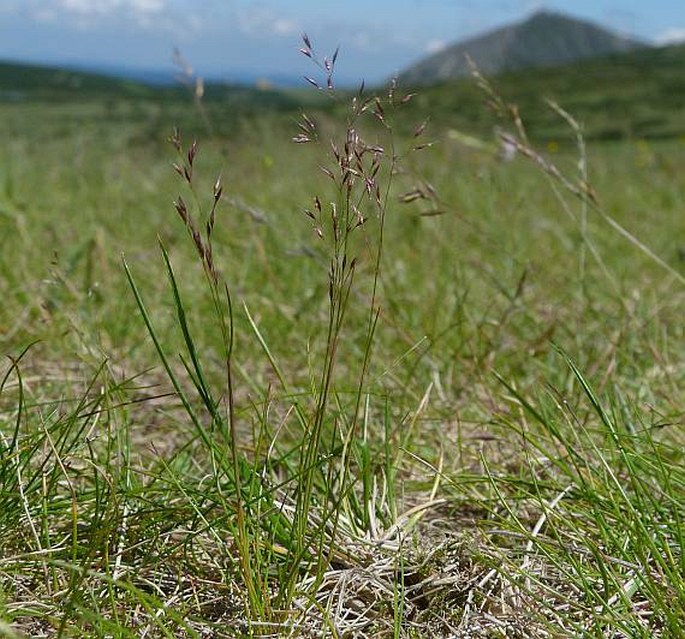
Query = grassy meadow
x=382 y=383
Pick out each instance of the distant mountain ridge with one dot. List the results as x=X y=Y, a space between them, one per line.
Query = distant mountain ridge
x=154 y=77
x=545 y=39
x=20 y=81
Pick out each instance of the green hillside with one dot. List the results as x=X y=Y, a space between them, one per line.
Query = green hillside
x=36 y=83
x=635 y=94
x=21 y=82
x=62 y=101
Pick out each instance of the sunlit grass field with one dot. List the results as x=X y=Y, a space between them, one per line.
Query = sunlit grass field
x=449 y=406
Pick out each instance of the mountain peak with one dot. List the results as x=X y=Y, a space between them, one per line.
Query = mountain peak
x=542 y=13
x=545 y=38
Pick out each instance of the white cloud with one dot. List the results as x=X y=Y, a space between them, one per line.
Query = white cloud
x=285 y=27
x=261 y=20
x=674 y=35
x=105 y=7
x=435 y=46
x=87 y=13
x=365 y=39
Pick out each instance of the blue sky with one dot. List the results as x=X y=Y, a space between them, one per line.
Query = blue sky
x=227 y=37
